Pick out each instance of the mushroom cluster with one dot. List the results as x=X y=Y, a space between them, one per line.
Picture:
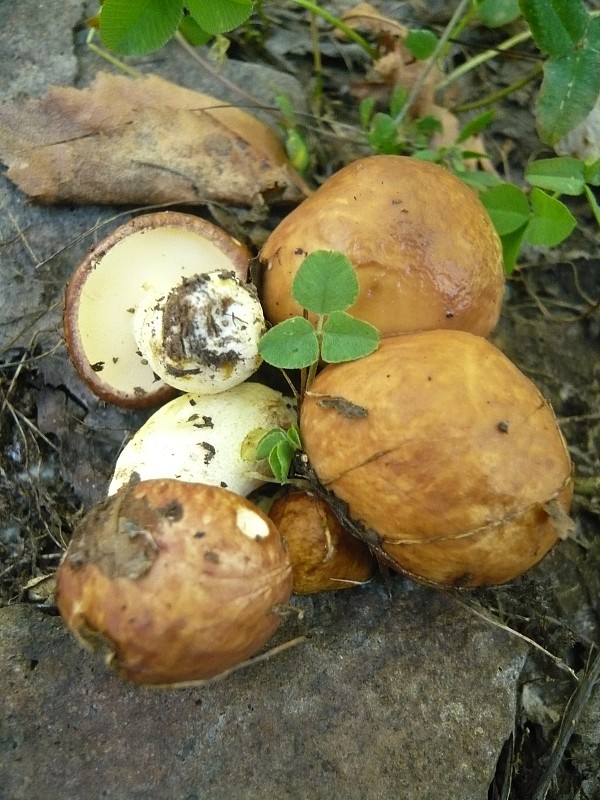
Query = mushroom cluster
x=434 y=454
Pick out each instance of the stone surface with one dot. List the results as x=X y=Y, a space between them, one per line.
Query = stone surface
x=408 y=697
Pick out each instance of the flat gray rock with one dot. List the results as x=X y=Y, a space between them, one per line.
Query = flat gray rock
x=409 y=697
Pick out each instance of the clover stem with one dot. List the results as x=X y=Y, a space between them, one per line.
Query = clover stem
x=312 y=370
x=353 y=35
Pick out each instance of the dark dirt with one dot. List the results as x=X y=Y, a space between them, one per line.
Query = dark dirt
x=58 y=445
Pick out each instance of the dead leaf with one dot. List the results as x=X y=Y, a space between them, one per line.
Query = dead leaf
x=138 y=141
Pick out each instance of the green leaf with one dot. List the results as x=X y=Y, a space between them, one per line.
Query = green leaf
x=421 y=43
x=219 y=16
x=325 y=282
x=593 y=203
x=280 y=459
x=293 y=436
x=297 y=150
x=192 y=32
x=346 y=338
x=475 y=126
x=365 y=112
x=495 y=13
x=556 y=25
x=552 y=221
x=292 y=344
x=569 y=90
x=591 y=172
x=285 y=105
x=427 y=154
x=511 y=247
x=269 y=441
x=478 y=179
x=138 y=27
x=383 y=134
x=563 y=175
x=507 y=206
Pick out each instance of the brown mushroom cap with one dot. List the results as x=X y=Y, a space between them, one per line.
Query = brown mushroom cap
x=324 y=555
x=455 y=463
x=175 y=581
x=138 y=262
x=426 y=253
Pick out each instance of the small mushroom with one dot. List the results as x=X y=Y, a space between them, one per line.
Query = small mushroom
x=206 y=438
x=203 y=336
x=174 y=582
x=324 y=555
x=424 y=248
x=139 y=262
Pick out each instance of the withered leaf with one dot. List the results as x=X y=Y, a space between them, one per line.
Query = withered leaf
x=141 y=140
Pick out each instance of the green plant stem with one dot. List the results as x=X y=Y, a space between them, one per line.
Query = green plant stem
x=312 y=370
x=339 y=24
x=116 y=62
x=492 y=98
x=420 y=82
x=481 y=58
x=588 y=487
x=460 y=26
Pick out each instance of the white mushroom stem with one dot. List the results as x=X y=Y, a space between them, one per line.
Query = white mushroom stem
x=203 y=335
x=206 y=439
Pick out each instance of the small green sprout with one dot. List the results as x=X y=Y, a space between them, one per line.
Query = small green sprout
x=278 y=447
x=325 y=286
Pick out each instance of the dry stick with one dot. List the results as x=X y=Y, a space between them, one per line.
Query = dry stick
x=214 y=73
x=577 y=702
x=485 y=616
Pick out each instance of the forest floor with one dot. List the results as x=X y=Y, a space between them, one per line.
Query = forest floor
x=58 y=444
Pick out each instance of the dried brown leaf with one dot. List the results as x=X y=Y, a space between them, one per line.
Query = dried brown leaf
x=141 y=140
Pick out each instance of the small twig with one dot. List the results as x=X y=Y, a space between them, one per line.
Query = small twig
x=214 y=73
x=249 y=663
x=494 y=97
x=485 y=616
x=107 y=56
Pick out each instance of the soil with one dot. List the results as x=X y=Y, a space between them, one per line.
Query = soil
x=550 y=327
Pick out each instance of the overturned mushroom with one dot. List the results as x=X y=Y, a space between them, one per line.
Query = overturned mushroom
x=136 y=264
x=206 y=438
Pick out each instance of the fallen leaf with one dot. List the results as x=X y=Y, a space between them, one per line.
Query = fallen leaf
x=142 y=140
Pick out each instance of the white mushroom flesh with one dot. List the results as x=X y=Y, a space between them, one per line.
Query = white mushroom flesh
x=207 y=439
x=203 y=335
x=143 y=265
